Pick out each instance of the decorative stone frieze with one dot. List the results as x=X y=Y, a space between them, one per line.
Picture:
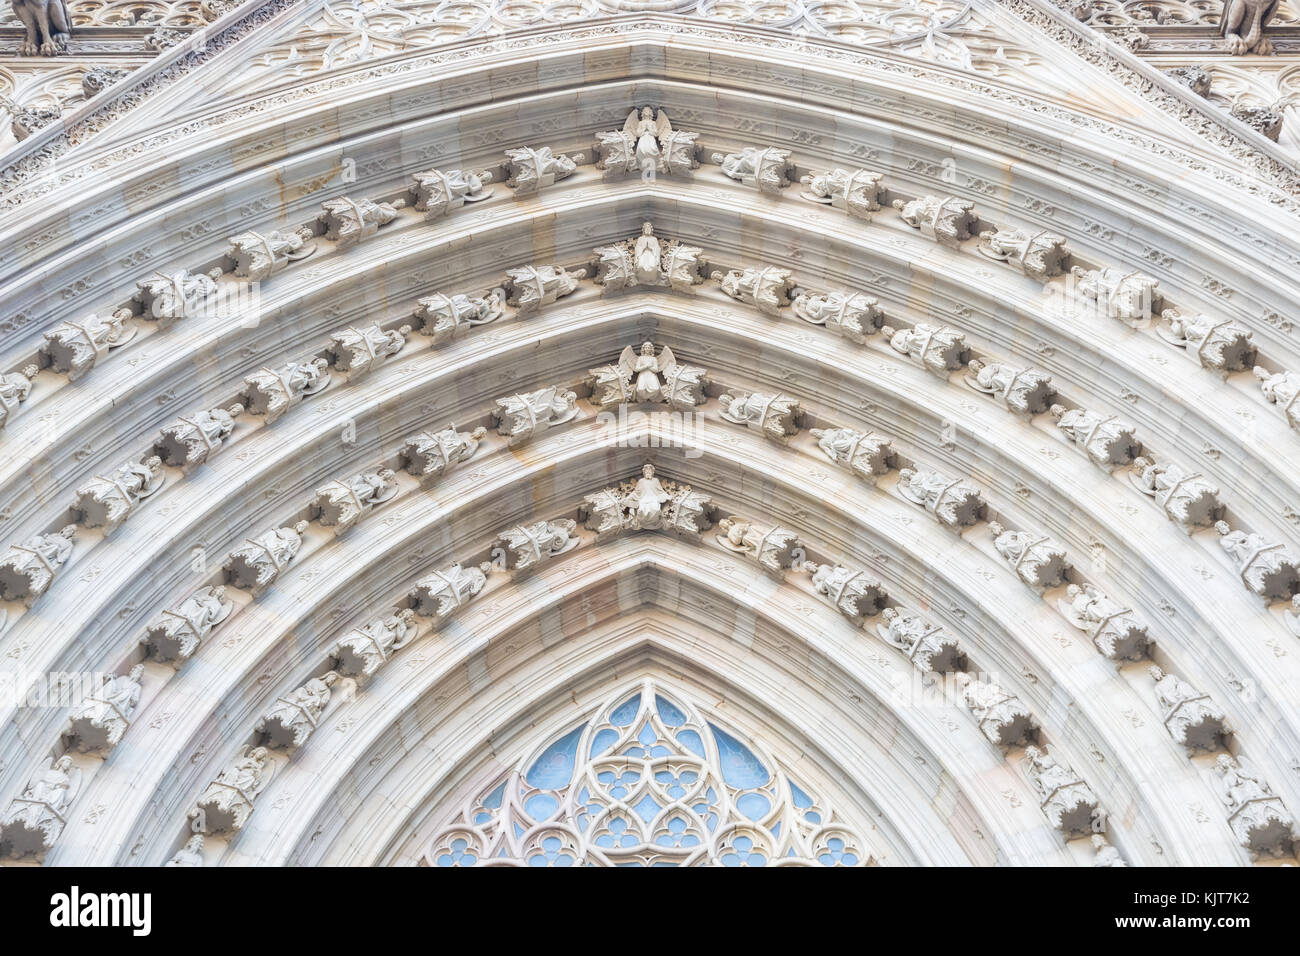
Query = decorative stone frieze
x=953 y=502
x=520 y=416
x=105 y=501
x=256 y=564
x=174 y=635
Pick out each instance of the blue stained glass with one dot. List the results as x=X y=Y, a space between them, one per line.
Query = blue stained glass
x=624 y=712
x=647 y=808
x=491 y=802
x=669 y=713
x=691 y=741
x=554 y=768
x=801 y=799
x=647 y=735
x=541 y=805
x=603 y=741
x=740 y=768
x=753 y=805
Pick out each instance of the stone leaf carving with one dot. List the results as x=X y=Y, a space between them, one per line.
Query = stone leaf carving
x=1258 y=818
x=851 y=315
x=1038 y=560
x=953 y=502
x=27 y=570
x=1108 y=440
x=1242 y=25
x=1128 y=296
x=647 y=143
x=1191 y=717
x=363 y=650
x=446 y=316
x=292 y=718
x=1281 y=388
x=533 y=169
x=856 y=191
x=774 y=416
x=866 y=454
x=775 y=549
x=1039 y=255
x=438 y=192
x=340 y=504
x=647 y=503
x=99 y=78
x=948 y=220
x=189 y=442
x=14 y=389
x=227 y=803
x=647 y=262
x=1003 y=718
x=520 y=416
x=1114 y=630
x=191 y=854
x=167 y=299
x=1105 y=854
x=925 y=644
x=256 y=563
x=1067 y=802
x=348 y=221
x=98 y=722
x=525 y=546
x=1268 y=568
x=273 y=391
x=75 y=347
x=441 y=593
x=1026 y=391
x=768 y=288
x=1186 y=498
x=355 y=352
x=528 y=288
x=433 y=454
x=938 y=349
x=258 y=256
x=33 y=822
x=647 y=377
x=1195 y=78
x=174 y=635
x=855 y=594
x=105 y=501
x=1223 y=346
x=765 y=168
x=1263 y=120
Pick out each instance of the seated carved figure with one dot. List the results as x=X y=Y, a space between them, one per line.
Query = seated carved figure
x=774 y=416
x=1191 y=717
x=948 y=221
x=1281 y=388
x=174 y=635
x=191 y=854
x=647 y=503
x=167 y=299
x=33 y=821
x=1108 y=440
x=533 y=169
x=1105 y=855
x=925 y=644
x=256 y=563
x=227 y=803
x=1003 y=718
x=765 y=168
x=446 y=316
x=1114 y=629
x=852 y=315
x=855 y=594
x=767 y=288
x=526 y=546
x=441 y=593
x=293 y=717
x=105 y=501
x=521 y=416
x=362 y=650
x=648 y=377
x=775 y=549
x=348 y=221
x=1220 y=345
x=1039 y=255
x=528 y=288
x=439 y=192
x=1257 y=816
x=1065 y=799
x=866 y=455
x=433 y=454
x=937 y=349
x=27 y=570
x=341 y=504
x=98 y=722
x=1037 y=559
x=190 y=441
x=14 y=389
x=355 y=352
x=1128 y=296
x=1269 y=568
x=258 y=255
x=74 y=347
x=272 y=392
x=953 y=502
x=857 y=192
x=1186 y=498
x=645 y=262
x=1024 y=390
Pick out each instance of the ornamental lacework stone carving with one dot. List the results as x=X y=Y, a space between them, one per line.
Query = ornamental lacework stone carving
x=1039 y=255
x=1128 y=296
x=1038 y=560
x=1187 y=499
x=100 y=720
x=953 y=502
x=438 y=193
x=363 y=650
x=851 y=315
x=525 y=546
x=533 y=169
x=866 y=454
x=938 y=349
x=1191 y=717
x=447 y=316
x=768 y=288
x=1003 y=718
x=1258 y=818
x=191 y=854
x=765 y=168
x=855 y=594
x=1242 y=26
x=1222 y=346
x=167 y=299
x=520 y=416
x=348 y=221
x=189 y=442
x=528 y=288
x=258 y=256
x=648 y=144
x=774 y=416
x=1115 y=632
x=947 y=221
x=1281 y=388
x=293 y=717
x=1195 y=78
x=1108 y=440
x=441 y=593
x=647 y=377
x=433 y=454
x=1067 y=802
x=27 y=570
x=227 y=803
x=105 y=501
x=646 y=262
x=648 y=780
x=646 y=504
x=1268 y=568
x=1024 y=390
x=99 y=78
x=925 y=644
x=1105 y=854
x=75 y=347
x=273 y=391
x=356 y=352
x=28 y=119
x=174 y=635
x=14 y=389
x=258 y=561
x=342 y=503
x=34 y=821
x=1267 y=122
x=857 y=192
x=775 y=549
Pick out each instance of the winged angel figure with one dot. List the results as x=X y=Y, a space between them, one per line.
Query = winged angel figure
x=646 y=377
x=647 y=142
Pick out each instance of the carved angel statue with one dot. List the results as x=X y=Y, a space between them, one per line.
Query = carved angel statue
x=953 y=502
x=355 y=352
x=433 y=454
x=75 y=347
x=292 y=718
x=774 y=416
x=865 y=454
x=174 y=635
x=1258 y=817
x=227 y=803
x=1224 y=346
x=348 y=221
x=48 y=27
x=272 y=392
x=1128 y=296
x=258 y=256
x=1242 y=26
x=14 y=389
x=925 y=644
x=438 y=192
x=767 y=288
x=1039 y=255
x=765 y=168
x=533 y=169
x=190 y=441
x=34 y=821
x=440 y=593
x=647 y=143
x=775 y=549
x=1186 y=498
x=1281 y=388
x=530 y=287
x=362 y=650
x=105 y=501
x=99 y=721
x=1065 y=799
x=855 y=594
x=1106 y=855
x=447 y=316
x=342 y=503
x=1269 y=568
x=256 y=563
x=645 y=504
x=646 y=262
x=1038 y=560
x=191 y=854
x=857 y=192
x=1191 y=717
x=647 y=498
x=1115 y=631
x=27 y=570
x=1024 y=390
x=938 y=349
x=1108 y=440
x=851 y=315
x=520 y=416
x=526 y=546
x=166 y=299
x=947 y=221
x=1003 y=718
